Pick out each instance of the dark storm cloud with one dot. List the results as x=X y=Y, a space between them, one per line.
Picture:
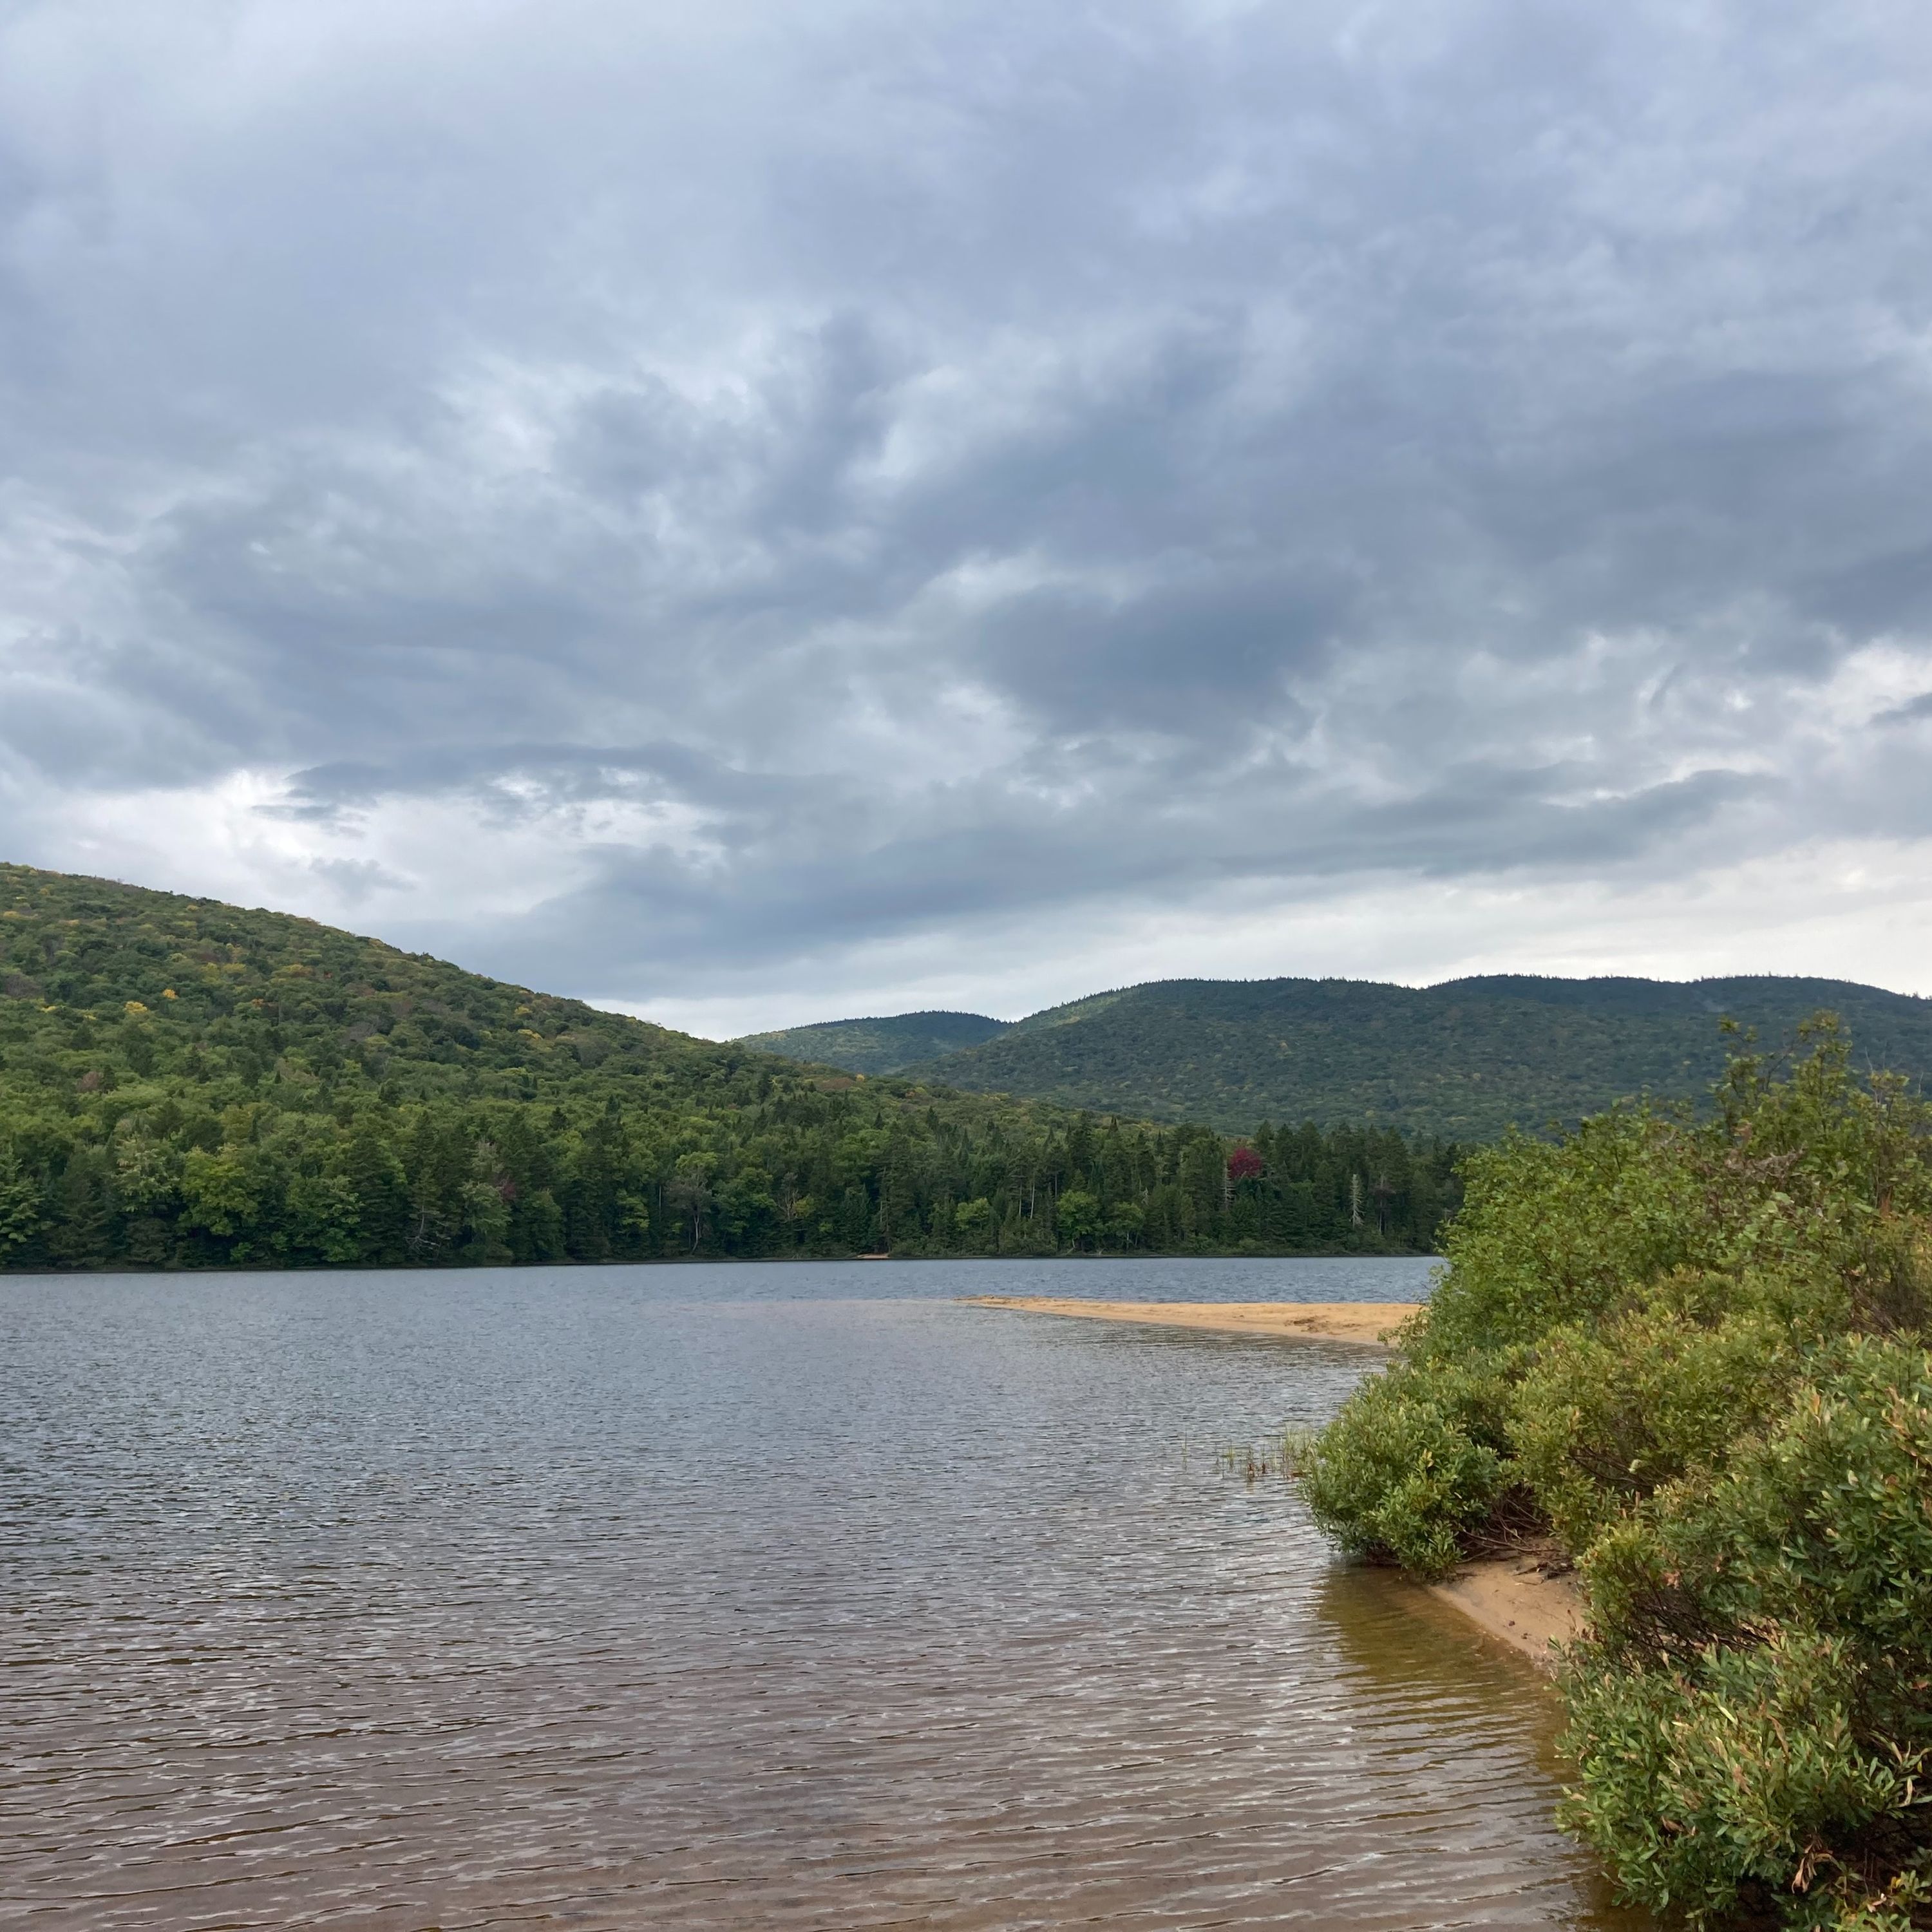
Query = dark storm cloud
x=846 y=474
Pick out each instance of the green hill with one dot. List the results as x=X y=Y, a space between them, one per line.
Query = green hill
x=1464 y=1059
x=185 y=1084
x=876 y=1046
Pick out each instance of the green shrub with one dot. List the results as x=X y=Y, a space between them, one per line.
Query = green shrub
x=1753 y=1716
x=1692 y=1352
x=1606 y=1415
x=1744 y=1777
x=1410 y=1470
x=1551 y=1233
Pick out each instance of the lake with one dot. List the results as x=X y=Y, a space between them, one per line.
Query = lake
x=708 y=1597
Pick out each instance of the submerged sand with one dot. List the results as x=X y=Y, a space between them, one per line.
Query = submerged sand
x=1371 y=1323
x=1512 y=1599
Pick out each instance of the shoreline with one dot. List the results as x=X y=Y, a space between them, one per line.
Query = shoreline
x=1510 y=1599
x=1513 y=1602
x=1366 y=1324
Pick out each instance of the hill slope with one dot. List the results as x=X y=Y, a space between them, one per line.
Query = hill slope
x=878 y=1046
x=1464 y=1059
x=185 y=1084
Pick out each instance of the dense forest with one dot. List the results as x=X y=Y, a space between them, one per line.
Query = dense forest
x=1688 y=1355
x=183 y=1083
x=874 y=1047
x=1466 y=1060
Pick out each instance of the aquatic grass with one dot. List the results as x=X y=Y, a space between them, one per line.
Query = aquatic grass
x=1285 y=1455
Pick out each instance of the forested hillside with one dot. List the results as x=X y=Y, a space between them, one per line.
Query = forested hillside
x=185 y=1084
x=878 y=1046
x=1464 y=1060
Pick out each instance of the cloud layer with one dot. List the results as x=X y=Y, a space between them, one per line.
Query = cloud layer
x=751 y=510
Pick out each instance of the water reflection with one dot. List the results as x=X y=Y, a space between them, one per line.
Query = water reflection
x=586 y=1599
x=1423 y=1672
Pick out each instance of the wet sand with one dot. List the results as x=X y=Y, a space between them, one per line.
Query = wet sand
x=1370 y=1323
x=1518 y=1605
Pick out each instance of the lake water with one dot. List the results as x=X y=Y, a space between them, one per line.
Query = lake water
x=717 y=1597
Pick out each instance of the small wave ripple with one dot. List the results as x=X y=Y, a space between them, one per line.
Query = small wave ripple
x=573 y=1599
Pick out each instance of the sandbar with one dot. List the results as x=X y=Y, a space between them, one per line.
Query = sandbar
x=1369 y=1323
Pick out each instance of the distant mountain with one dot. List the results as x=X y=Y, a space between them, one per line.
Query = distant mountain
x=874 y=1047
x=1464 y=1060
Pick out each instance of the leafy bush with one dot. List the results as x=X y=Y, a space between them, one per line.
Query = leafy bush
x=1692 y=1355
x=1607 y=1414
x=1411 y=1469
x=1753 y=1715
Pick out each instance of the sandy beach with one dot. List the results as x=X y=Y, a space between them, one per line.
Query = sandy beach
x=1368 y=1323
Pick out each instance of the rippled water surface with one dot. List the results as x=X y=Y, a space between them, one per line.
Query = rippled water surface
x=707 y=1598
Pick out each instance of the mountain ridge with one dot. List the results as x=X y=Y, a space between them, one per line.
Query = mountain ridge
x=1466 y=1058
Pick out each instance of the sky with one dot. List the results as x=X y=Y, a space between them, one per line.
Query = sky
x=754 y=513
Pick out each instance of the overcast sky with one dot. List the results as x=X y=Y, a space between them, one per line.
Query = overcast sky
x=752 y=513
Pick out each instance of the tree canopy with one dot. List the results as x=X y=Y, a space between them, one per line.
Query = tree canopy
x=184 y=1083
x=878 y=1046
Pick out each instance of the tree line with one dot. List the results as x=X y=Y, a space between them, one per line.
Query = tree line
x=184 y=1084
x=187 y=1180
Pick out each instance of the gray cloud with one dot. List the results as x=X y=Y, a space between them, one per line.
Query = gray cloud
x=794 y=482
